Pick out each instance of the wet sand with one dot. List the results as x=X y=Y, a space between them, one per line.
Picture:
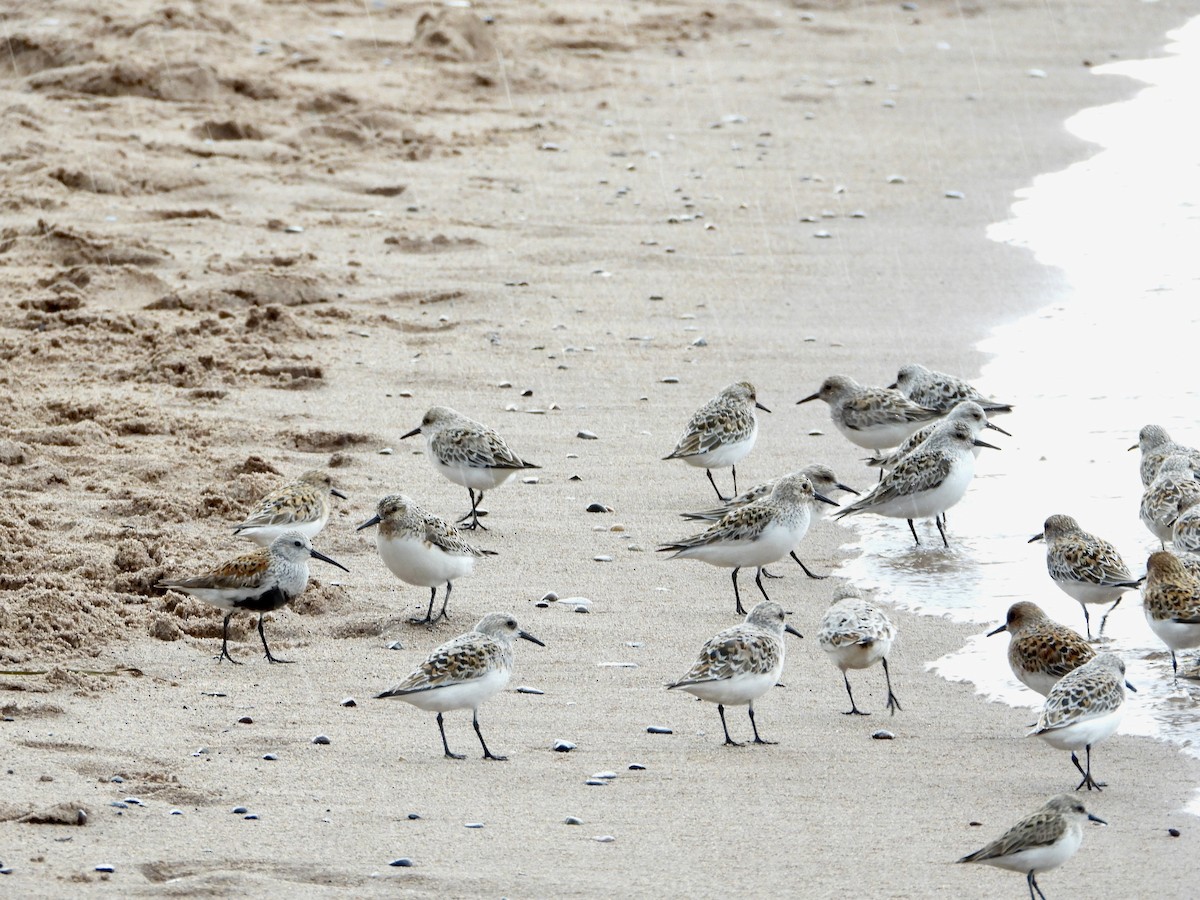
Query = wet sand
x=240 y=242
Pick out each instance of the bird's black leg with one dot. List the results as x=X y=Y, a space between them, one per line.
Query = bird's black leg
x=913 y=529
x=225 y=643
x=736 y=594
x=893 y=703
x=1033 y=886
x=1100 y=633
x=713 y=482
x=445 y=746
x=728 y=740
x=428 y=614
x=1087 y=621
x=757 y=739
x=807 y=572
x=758 y=581
x=262 y=634
x=487 y=754
x=854 y=710
x=735 y=493
x=445 y=599
x=942 y=531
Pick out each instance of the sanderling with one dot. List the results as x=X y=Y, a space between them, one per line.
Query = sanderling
x=721 y=432
x=1185 y=533
x=757 y=534
x=1171 y=601
x=1039 y=842
x=937 y=390
x=1087 y=568
x=1156 y=445
x=968 y=411
x=927 y=482
x=421 y=549
x=301 y=505
x=468 y=453
x=260 y=582
x=1041 y=651
x=823 y=479
x=462 y=673
x=1083 y=709
x=740 y=664
x=874 y=418
x=1173 y=490
x=857 y=634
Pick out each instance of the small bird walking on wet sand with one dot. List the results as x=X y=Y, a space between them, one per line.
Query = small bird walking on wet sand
x=1083 y=709
x=261 y=581
x=927 y=482
x=1041 y=651
x=874 y=418
x=856 y=635
x=468 y=453
x=1087 y=568
x=464 y=672
x=1171 y=602
x=757 y=534
x=1039 y=842
x=721 y=432
x=422 y=549
x=740 y=664
x=301 y=505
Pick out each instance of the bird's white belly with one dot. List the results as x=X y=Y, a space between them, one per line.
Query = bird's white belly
x=416 y=562
x=1176 y=635
x=466 y=695
x=881 y=437
x=934 y=502
x=772 y=545
x=477 y=478
x=725 y=455
x=1081 y=734
x=857 y=656
x=736 y=690
x=264 y=535
x=1082 y=592
x=1041 y=859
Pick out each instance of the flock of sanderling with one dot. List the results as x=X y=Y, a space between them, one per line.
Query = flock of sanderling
x=924 y=434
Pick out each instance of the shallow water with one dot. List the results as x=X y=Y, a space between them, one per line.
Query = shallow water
x=1114 y=352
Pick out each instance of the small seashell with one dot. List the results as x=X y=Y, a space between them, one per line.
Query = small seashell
x=670 y=379
x=321 y=739
x=386 y=451
x=504 y=384
x=598 y=508
x=403 y=862
x=586 y=436
x=822 y=234
x=245 y=720
x=617 y=665
x=412 y=817
x=119 y=805
x=270 y=757
x=105 y=867
x=561 y=746
x=571 y=820
x=1173 y=832
x=659 y=729
x=294 y=229
x=395 y=645
x=349 y=701
x=636 y=767
x=605 y=776
x=240 y=810
x=954 y=195
x=896 y=179
x=603 y=557
x=117 y=779
x=530 y=479
x=883 y=735
x=595 y=782
x=472 y=824
x=134 y=800
x=550 y=597
x=816 y=432
x=251 y=817
x=1036 y=73
x=604 y=838
x=525 y=689
x=177 y=812
x=700 y=342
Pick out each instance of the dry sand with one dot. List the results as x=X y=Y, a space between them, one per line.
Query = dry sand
x=243 y=240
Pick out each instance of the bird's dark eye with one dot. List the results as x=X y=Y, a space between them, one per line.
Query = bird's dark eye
x=298 y=543
x=512 y=624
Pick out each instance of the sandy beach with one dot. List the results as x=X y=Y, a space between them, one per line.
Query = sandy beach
x=240 y=241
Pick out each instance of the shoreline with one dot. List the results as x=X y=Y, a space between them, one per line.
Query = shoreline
x=544 y=261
